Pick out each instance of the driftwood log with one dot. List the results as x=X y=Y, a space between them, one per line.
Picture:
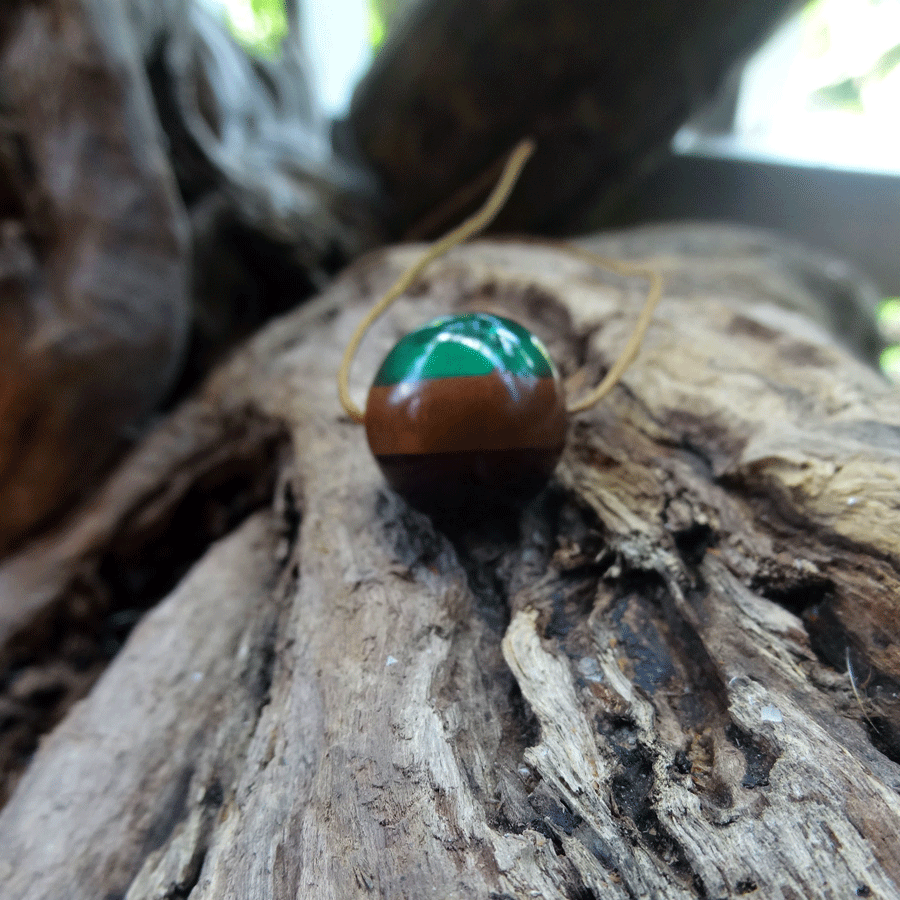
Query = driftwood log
x=674 y=675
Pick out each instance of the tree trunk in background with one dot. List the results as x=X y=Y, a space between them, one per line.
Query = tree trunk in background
x=673 y=676
x=93 y=254
x=602 y=87
x=100 y=313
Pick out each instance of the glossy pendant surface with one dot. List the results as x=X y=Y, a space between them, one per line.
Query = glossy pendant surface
x=467 y=411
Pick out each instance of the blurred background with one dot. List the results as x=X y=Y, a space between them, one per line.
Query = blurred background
x=812 y=119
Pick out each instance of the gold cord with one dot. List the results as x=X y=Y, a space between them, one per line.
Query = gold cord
x=468 y=229
x=626 y=357
x=463 y=232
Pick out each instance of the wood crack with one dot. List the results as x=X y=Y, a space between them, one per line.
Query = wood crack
x=52 y=659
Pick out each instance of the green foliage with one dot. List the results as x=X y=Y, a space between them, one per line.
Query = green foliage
x=889 y=317
x=385 y=9
x=850 y=46
x=848 y=92
x=377 y=24
x=887 y=62
x=889 y=312
x=258 y=25
x=381 y=14
x=889 y=322
x=890 y=363
x=843 y=94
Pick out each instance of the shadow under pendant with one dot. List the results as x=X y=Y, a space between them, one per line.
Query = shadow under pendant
x=467 y=412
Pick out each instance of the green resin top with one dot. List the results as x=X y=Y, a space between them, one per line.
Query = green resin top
x=469 y=344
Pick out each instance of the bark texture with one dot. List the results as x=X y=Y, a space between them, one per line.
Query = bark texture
x=674 y=675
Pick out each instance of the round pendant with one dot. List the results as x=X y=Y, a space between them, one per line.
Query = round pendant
x=467 y=411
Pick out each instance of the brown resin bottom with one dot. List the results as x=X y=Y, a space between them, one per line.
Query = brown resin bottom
x=472 y=480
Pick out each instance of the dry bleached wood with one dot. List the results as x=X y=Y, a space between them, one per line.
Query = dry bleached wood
x=638 y=688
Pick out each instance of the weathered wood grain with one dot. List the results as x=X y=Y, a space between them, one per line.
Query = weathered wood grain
x=673 y=675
